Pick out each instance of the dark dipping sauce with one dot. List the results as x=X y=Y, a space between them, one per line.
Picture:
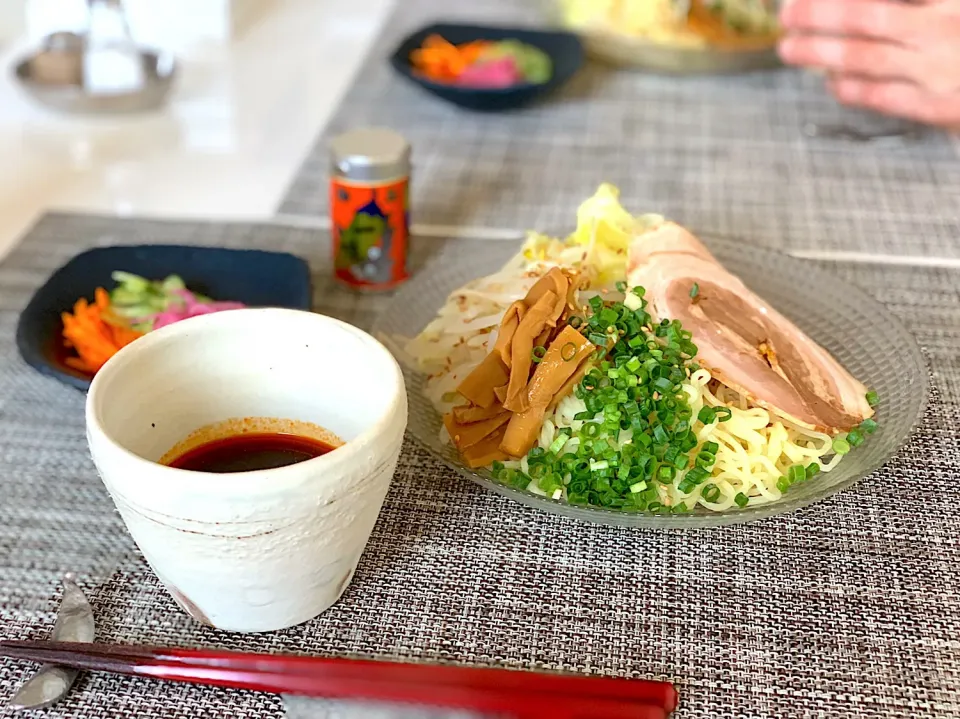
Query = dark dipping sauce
x=251 y=452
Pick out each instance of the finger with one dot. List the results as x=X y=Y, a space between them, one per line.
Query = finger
x=849 y=56
x=903 y=99
x=886 y=19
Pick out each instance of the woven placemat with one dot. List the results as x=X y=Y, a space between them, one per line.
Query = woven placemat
x=726 y=155
x=849 y=608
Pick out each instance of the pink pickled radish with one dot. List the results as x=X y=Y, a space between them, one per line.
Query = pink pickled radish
x=493 y=74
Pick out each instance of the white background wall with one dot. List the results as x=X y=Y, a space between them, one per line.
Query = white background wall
x=171 y=24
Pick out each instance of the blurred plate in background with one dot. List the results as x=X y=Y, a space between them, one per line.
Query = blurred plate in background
x=626 y=50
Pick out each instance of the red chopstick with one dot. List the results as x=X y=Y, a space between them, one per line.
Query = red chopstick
x=518 y=694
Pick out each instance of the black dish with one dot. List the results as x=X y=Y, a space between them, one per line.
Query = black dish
x=253 y=277
x=564 y=48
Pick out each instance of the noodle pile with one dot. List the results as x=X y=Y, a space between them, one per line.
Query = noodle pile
x=756 y=449
x=758 y=454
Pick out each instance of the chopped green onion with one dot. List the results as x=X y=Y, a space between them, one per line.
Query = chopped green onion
x=558 y=443
x=783 y=484
x=634 y=387
x=705 y=460
x=697 y=475
x=663 y=385
x=724 y=413
x=841 y=446
x=869 y=426
x=873 y=399
x=686 y=486
x=707 y=415
x=812 y=470
x=741 y=500
x=796 y=473
x=694 y=291
x=854 y=438
x=621 y=286
x=537 y=354
x=711 y=493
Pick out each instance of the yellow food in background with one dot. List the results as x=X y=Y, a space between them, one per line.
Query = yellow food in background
x=729 y=24
x=654 y=20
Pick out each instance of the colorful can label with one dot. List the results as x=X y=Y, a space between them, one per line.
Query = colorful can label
x=371 y=226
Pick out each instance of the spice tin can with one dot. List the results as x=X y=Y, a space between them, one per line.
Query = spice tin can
x=369 y=208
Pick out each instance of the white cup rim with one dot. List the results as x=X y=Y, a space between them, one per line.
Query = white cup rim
x=242 y=481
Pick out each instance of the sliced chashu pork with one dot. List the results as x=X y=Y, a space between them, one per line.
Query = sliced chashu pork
x=745 y=343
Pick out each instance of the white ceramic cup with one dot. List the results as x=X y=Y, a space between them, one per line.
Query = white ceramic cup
x=263 y=550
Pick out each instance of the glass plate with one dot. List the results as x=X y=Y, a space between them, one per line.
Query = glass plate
x=869 y=341
x=631 y=52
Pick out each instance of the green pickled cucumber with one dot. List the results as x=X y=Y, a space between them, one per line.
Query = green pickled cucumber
x=533 y=63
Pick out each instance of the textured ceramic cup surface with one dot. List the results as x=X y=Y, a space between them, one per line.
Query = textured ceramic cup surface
x=263 y=550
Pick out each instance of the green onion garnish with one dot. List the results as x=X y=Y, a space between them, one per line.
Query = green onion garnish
x=694 y=291
x=841 y=446
x=686 y=486
x=797 y=473
x=854 y=438
x=869 y=426
x=783 y=484
x=741 y=500
x=633 y=387
x=558 y=443
x=707 y=415
x=812 y=470
x=537 y=354
x=873 y=399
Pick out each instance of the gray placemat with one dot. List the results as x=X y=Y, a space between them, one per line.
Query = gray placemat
x=725 y=155
x=849 y=608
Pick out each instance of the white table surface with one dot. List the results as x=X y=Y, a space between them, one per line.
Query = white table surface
x=241 y=120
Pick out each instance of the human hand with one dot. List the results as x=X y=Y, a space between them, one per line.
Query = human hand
x=894 y=56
